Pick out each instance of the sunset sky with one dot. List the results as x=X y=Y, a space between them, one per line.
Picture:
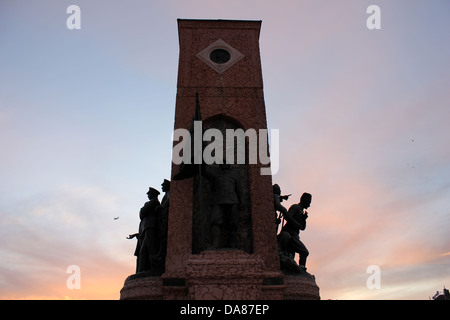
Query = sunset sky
x=86 y=118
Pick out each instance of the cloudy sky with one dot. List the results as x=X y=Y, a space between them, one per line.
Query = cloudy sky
x=86 y=118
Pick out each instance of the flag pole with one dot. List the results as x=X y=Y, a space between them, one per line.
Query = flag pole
x=203 y=220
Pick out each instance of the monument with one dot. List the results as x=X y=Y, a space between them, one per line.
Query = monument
x=221 y=235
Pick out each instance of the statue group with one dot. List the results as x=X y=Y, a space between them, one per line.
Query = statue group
x=151 y=245
x=292 y=222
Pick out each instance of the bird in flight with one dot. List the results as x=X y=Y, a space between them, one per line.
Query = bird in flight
x=115 y=218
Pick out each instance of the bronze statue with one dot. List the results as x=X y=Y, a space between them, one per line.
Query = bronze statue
x=151 y=247
x=277 y=199
x=147 y=246
x=289 y=238
x=227 y=198
x=163 y=215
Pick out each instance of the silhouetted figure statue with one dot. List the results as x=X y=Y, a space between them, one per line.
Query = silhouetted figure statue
x=138 y=246
x=163 y=214
x=148 y=242
x=289 y=238
x=227 y=197
x=277 y=199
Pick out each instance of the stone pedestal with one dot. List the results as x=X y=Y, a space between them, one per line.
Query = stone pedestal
x=219 y=276
x=300 y=287
x=142 y=287
x=227 y=275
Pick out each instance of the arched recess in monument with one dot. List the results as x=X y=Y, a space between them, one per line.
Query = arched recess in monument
x=202 y=208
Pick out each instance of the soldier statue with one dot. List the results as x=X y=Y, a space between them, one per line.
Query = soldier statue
x=277 y=199
x=163 y=215
x=289 y=238
x=148 y=237
x=227 y=199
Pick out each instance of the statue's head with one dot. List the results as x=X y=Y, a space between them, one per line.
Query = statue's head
x=276 y=189
x=305 y=200
x=152 y=193
x=165 y=185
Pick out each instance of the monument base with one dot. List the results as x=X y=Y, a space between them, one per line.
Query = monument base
x=228 y=275
x=301 y=287
x=142 y=286
x=222 y=275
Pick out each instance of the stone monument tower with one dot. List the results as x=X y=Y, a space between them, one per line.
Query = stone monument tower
x=220 y=74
